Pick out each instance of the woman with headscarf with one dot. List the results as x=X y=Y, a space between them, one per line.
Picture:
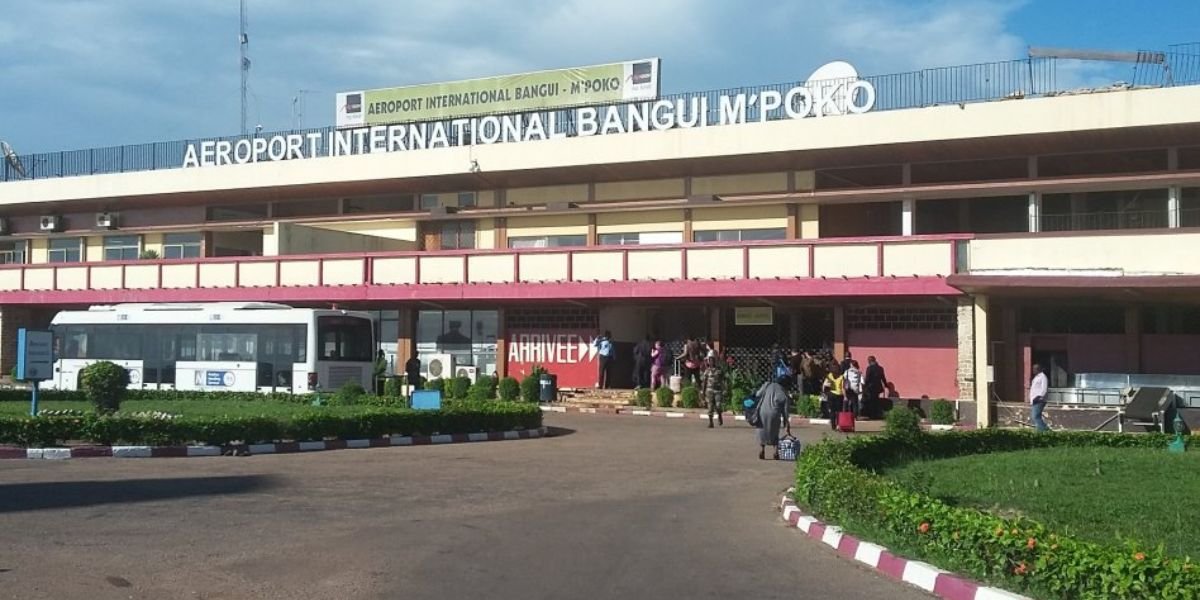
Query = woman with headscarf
x=773 y=403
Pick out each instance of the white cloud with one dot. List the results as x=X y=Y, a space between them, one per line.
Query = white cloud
x=100 y=72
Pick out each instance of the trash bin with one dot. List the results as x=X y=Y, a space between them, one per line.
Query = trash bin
x=547 y=387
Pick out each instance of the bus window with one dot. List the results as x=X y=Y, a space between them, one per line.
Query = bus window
x=346 y=339
x=227 y=346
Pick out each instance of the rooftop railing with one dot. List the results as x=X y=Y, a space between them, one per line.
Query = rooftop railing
x=983 y=82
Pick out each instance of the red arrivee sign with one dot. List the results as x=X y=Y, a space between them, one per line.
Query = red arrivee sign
x=569 y=354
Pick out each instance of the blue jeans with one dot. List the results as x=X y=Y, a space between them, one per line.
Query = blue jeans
x=1036 y=411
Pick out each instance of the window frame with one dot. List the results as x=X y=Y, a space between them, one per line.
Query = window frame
x=123 y=250
x=183 y=246
x=67 y=252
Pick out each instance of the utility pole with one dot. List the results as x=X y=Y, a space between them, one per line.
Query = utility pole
x=244 y=46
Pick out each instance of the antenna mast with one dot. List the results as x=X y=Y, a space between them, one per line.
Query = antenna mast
x=244 y=45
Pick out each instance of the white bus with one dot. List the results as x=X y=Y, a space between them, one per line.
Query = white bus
x=224 y=346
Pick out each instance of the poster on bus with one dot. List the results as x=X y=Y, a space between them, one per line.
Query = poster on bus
x=569 y=354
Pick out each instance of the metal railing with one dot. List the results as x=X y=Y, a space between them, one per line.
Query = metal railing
x=1013 y=79
x=1150 y=219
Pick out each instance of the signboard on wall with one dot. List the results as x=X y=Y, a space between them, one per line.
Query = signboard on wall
x=753 y=315
x=599 y=84
x=569 y=354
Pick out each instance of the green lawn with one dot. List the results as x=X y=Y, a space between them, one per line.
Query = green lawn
x=197 y=408
x=1100 y=494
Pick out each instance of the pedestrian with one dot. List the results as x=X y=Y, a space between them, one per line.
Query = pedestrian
x=641 y=364
x=379 y=371
x=604 y=350
x=845 y=364
x=832 y=390
x=715 y=389
x=852 y=388
x=874 y=384
x=412 y=369
x=658 y=366
x=691 y=358
x=808 y=372
x=1037 y=397
x=772 y=414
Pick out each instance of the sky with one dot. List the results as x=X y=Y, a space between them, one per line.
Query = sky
x=93 y=73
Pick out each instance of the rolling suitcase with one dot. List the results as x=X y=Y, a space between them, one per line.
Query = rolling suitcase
x=845 y=421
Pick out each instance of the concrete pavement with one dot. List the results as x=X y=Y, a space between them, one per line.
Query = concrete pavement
x=614 y=508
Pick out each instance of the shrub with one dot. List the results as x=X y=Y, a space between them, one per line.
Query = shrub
x=104 y=385
x=454 y=417
x=484 y=388
x=642 y=398
x=349 y=394
x=736 y=396
x=664 y=397
x=458 y=387
x=530 y=388
x=690 y=397
x=836 y=480
x=509 y=389
x=391 y=387
x=437 y=385
x=809 y=405
x=148 y=254
x=902 y=422
x=942 y=413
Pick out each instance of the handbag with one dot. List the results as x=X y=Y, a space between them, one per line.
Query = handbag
x=789 y=448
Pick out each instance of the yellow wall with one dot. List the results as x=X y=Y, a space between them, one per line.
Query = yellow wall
x=547 y=225
x=39 y=250
x=640 y=221
x=810 y=226
x=1116 y=254
x=640 y=190
x=94 y=248
x=485 y=234
x=742 y=217
x=547 y=194
x=805 y=181
x=739 y=184
x=153 y=241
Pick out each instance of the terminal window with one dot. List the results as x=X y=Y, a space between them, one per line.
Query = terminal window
x=66 y=250
x=181 y=245
x=740 y=235
x=121 y=247
x=13 y=252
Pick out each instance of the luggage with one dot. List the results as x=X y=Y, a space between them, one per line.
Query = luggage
x=845 y=421
x=750 y=410
x=789 y=448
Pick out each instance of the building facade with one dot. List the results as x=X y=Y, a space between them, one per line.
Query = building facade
x=958 y=238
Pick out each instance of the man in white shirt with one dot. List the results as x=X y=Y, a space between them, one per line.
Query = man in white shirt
x=1037 y=397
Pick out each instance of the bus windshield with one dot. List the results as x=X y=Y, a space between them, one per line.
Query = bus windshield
x=344 y=339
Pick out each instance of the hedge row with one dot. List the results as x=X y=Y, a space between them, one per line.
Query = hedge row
x=836 y=481
x=457 y=417
x=18 y=395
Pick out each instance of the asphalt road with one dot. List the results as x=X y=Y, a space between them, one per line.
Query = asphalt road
x=615 y=507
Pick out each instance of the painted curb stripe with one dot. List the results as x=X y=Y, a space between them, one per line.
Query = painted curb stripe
x=132 y=452
x=203 y=451
x=920 y=574
x=358 y=443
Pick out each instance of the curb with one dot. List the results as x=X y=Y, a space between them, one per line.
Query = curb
x=942 y=584
x=252 y=449
x=641 y=412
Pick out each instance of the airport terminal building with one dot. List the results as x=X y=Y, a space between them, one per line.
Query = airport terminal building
x=957 y=223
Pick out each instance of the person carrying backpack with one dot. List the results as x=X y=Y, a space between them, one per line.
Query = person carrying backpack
x=772 y=411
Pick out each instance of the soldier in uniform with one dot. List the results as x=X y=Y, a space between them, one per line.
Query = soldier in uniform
x=713 y=385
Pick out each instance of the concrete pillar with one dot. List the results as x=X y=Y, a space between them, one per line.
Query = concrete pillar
x=983 y=399
x=716 y=327
x=907 y=216
x=965 y=373
x=1035 y=212
x=591 y=230
x=839 y=332
x=501 y=344
x=1173 y=206
x=406 y=344
x=1133 y=339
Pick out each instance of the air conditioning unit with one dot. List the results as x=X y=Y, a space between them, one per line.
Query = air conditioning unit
x=437 y=366
x=465 y=371
x=50 y=223
x=106 y=220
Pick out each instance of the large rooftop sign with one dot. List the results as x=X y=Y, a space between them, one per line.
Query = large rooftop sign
x=600 y=84
x=834 y=89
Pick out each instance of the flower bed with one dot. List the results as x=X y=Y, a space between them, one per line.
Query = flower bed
x=155 y=430
x=838 y=481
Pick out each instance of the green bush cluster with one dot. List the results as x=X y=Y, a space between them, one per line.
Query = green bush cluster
x=457 y=388
x=391 y=387
x=664 y=397
x=808 y=405
x=509 y=389
x=104 y=384
x=643 y=398
x=902 y=422
x=689 y=397
x=530 y=388
x=838 y=482
x=15 y=395
x=942 y=413
x=453 y=417
x=350 y=394
x=484 y=388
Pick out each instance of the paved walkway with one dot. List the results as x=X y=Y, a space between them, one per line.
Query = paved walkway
x=618 y=508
